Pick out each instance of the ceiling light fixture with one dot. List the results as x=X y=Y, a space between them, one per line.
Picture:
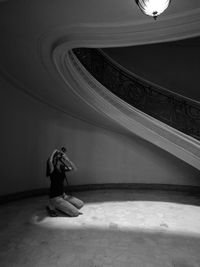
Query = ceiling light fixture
x=153 y=8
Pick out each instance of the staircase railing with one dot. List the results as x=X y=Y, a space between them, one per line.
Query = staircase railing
x=175 y=110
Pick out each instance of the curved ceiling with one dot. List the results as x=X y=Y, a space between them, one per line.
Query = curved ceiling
x=32 y=30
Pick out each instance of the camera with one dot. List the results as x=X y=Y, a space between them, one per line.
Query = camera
x=59 y=155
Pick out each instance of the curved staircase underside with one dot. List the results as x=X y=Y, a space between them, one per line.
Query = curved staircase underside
x=101 y=99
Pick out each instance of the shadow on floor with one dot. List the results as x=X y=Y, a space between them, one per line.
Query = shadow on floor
x=99 y=248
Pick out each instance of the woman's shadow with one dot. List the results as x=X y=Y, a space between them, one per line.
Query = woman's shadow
x=42 y=213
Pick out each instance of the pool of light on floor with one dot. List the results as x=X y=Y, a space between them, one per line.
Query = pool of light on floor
x=130 y=215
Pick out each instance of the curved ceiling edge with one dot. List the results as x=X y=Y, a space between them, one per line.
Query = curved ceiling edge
x=95 y=95
x=114 y=35
x=53 y=45
x=184 y=26
x=168 y=28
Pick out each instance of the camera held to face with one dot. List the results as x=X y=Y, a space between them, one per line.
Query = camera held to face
x=59 y=155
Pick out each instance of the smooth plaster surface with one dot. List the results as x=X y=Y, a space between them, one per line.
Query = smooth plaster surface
x=30 y=130
x=118 y=228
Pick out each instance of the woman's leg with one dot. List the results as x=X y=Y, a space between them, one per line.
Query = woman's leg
x=51 y=209
x=64 y=206
x=74 y=201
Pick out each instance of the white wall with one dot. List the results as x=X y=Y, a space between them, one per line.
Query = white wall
x=30 y=130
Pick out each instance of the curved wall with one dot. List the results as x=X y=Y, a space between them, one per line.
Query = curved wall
x=30 y=130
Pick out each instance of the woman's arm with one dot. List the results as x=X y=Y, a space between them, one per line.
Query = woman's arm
x=72 y=165
x=50 y=161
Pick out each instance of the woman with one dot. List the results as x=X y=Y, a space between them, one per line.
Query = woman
x=57 y=166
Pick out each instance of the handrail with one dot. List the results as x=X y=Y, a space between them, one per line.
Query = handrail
x=175 y=110
x=145 y=80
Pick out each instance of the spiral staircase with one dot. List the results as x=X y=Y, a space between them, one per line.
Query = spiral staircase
x=166 y=119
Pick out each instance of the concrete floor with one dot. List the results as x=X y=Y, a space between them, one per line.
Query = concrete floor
x=118 y=228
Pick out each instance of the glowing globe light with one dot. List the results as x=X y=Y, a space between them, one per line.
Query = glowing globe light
x=153 y=8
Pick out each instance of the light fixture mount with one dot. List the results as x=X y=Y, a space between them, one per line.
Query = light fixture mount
x=153 y=8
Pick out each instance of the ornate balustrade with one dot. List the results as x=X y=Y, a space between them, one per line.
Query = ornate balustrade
x=173 y=109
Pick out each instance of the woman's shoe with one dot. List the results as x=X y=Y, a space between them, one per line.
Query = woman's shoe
x=52 y=213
